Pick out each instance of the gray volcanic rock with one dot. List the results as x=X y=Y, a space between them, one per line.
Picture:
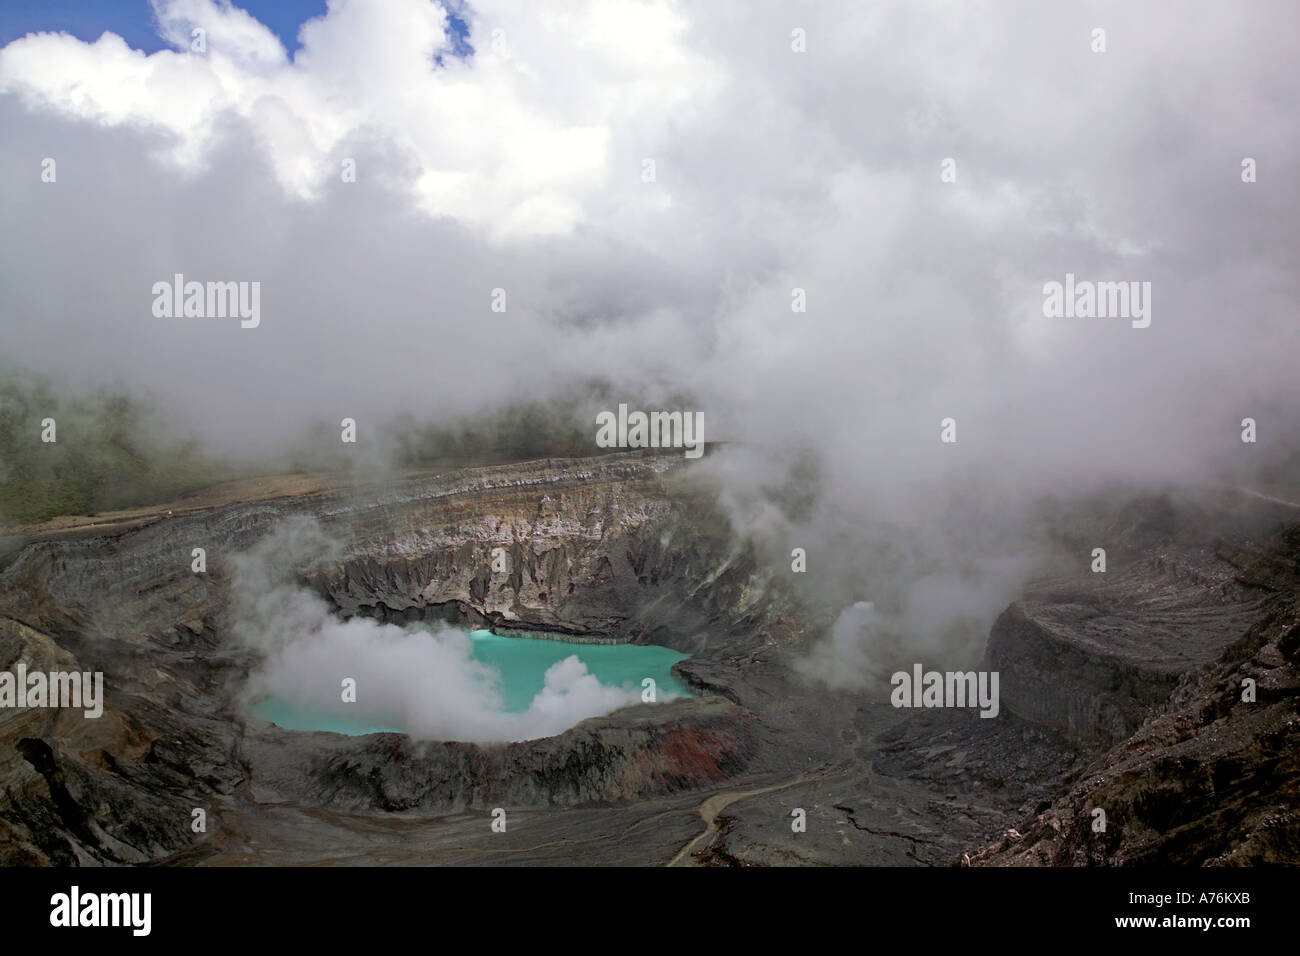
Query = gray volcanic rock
x=1209 y=779
x=1124 y=651
x=79 y=790
x=643 y=751
x=601 y=550
x=1089 y=654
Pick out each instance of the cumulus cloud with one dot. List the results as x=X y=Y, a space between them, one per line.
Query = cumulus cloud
x=520 y=167
x=514 y=140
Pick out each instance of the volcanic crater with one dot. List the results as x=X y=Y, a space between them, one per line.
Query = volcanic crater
x=623 y=548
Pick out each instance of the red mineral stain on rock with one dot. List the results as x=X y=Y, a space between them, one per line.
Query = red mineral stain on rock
x=692 y=756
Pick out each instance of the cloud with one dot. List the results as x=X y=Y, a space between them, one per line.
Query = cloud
x=514 y=140
x=520 y=167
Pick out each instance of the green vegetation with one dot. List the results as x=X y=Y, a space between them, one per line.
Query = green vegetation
x=113 y=450
x=516 y=433
x=109 y=452
x=561 y=427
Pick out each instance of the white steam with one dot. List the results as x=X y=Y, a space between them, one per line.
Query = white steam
x=845 y=659
x=425 y=682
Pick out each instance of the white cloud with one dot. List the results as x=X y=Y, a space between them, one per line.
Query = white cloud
x=495 y=144
x=520 y=168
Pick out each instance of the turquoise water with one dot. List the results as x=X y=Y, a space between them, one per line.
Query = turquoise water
x=521 y=663
x=291 y=717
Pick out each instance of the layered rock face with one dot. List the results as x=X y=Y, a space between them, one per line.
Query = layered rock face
x=599 y=550
x=680 y=746
x=1089 y=654
x=1123 y=653
x=1212 y=775
x=588 y=544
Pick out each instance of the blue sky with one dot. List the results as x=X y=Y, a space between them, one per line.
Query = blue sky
x=133 y=20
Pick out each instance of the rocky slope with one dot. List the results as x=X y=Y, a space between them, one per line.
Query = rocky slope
x=1212 y=776
x=1199 y=594
x=1166 y=604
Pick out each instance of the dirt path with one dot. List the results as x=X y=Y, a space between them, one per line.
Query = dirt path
x=214 y=496
x=715 y=804
x=1264 y=497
